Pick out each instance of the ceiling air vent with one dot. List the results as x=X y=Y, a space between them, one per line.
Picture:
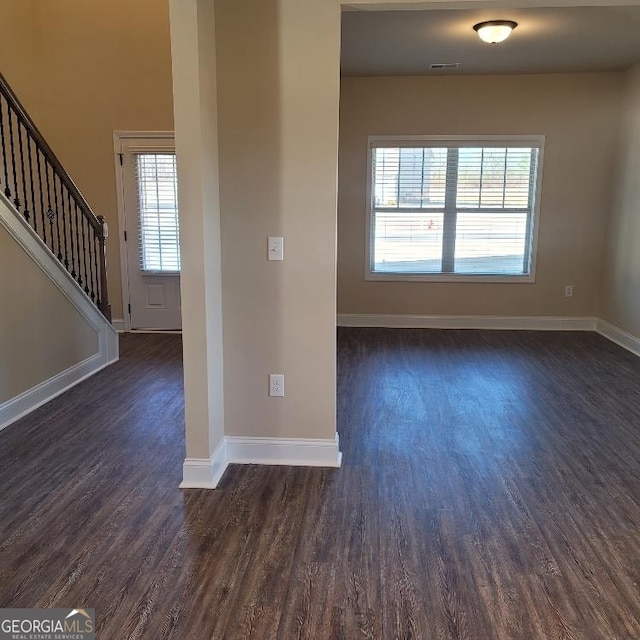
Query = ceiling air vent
x=445 y=65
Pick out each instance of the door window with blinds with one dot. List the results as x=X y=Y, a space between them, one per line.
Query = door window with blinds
x=158 y=212
x=453 y=209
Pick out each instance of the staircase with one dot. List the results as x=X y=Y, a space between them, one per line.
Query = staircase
x=55 y=327
x=42 y=192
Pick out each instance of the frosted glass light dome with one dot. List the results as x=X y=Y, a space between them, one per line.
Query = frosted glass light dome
x=494 y=31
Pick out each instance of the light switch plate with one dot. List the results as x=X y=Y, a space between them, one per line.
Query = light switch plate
x=275 y=248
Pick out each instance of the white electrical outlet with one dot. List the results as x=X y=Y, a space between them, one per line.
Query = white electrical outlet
x=276 y=385
x=568 y=291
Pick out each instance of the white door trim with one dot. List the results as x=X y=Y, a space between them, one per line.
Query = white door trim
x=118 y=138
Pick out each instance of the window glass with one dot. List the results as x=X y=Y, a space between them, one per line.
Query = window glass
x=158 y=212
x=465 y=210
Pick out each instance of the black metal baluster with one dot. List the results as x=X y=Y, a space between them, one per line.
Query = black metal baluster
x=87 y=236
x=72 y=237
x=97 y=268
x=31 y=181
x=42 y=214
x=84 y=252
x=90 y=236
x=7 y=191
x=78 y=235
x=94 y=270
x=12 y=147
x=57 y=210
x=50 y=212
x=79 y=245
x=63 y=212
x=96 y=264
x=25 y=212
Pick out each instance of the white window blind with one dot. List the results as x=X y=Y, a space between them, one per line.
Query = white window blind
x=460 y=209
x=158 y=212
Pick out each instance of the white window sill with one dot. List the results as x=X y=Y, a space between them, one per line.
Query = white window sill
x=159 y=273
x=449 y=277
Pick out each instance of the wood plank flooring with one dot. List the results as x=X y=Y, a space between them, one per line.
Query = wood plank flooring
x=490 y=489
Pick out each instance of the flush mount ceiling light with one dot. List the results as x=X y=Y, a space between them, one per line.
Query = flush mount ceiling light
x=493 y=31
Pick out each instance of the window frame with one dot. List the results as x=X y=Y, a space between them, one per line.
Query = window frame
x=537 y=141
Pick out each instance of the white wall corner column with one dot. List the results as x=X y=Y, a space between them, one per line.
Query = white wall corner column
x=196 y=135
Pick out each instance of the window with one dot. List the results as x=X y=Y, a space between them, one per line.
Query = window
x=158 y=211
x=453 y=209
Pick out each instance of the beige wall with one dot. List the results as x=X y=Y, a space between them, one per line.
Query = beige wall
x=579 y=116
x=84 y=69
x=278 y=75
x=622 y=279
x=41 y=333
x=17 y=48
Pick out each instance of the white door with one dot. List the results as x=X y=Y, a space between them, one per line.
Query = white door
x=152 y=239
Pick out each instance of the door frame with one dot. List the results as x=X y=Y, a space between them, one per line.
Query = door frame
x=118 y=138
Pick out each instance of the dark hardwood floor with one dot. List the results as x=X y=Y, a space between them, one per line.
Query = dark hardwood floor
x=490 y=489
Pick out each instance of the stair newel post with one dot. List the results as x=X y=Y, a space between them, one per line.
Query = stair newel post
x=102 y=234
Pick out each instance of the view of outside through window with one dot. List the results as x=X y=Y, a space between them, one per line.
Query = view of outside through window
x=463 y=210
x=158 y=211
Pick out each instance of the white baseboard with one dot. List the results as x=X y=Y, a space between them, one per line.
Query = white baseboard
x=108 y=345
x=533 y=323
x=26 y=402
x=621 y=338
x=304 y=452
x=118 y=324
x=205 y=473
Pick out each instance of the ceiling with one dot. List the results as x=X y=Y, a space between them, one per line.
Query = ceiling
x=547 y=40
